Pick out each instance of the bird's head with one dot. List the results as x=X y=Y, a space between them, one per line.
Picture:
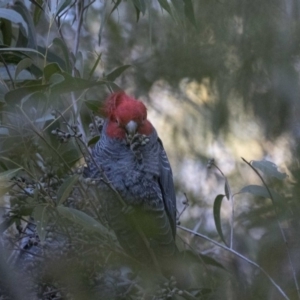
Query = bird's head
x=126 y=116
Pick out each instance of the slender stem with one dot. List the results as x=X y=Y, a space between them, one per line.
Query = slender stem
x=240 y=256
x=7 y=71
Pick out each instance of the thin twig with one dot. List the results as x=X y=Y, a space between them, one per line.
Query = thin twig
x=240 y=256
x=7 y=71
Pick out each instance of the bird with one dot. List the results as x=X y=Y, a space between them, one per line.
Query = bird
x=137 y=189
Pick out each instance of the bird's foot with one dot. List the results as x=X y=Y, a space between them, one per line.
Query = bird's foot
x=135 y=143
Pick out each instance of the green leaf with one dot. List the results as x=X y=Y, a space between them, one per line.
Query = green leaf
x=217 y=216
x=71 y=156
x=211 y=261
x=62 y=45
x=21 y=49
x=6 y=29
x=37 y=10
x=72 y=84
x=22 y=65
x=7 y=175
x=7 y=223
x=179 y=8
x=79 y=65
x=95 y=66
x=140 y=5
x=63 y=4
x=93 y=140
x=22 y=9
x=93 y=105
x=41 y=217
x=112 y=76
x=115 y=6
x=165 y=5
x=55 y=79
x=113 y=87
x=15 y=96
x=13 y=16
x=82 y=219
x=66 y=188
x=260 y=191
x=227 y=189
x=189 y=12
x=51 y=69
x=268 y=168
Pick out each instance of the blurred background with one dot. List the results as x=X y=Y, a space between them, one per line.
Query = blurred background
x=220 y=80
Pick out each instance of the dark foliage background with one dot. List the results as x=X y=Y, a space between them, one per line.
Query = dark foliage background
x=220 y=79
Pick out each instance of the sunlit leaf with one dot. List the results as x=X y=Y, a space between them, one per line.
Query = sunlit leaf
x=82 y=219
x=66 y=188
x=41 y=217
x=112 y=76
x=268 y=168
x=217 y=216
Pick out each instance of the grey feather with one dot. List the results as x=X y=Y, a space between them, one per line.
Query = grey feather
x=145 y=185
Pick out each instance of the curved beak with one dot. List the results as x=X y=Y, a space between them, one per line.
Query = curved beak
x=131 y=128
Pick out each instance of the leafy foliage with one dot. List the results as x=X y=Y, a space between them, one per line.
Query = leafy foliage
x=53 y=228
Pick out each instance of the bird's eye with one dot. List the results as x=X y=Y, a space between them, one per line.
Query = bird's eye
x=117 y=121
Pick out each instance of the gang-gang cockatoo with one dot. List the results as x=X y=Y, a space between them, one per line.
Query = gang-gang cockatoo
x=133 y=159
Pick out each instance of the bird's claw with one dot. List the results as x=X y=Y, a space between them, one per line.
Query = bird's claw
x=135 y=142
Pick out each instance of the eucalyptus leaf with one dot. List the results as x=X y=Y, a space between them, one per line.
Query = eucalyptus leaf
x=93 y=105
x=22 y=65
x=112 y=76
x=13 y=16
x=66 y=188
x=82 y=219
x=93 y=140
x=217 y=216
